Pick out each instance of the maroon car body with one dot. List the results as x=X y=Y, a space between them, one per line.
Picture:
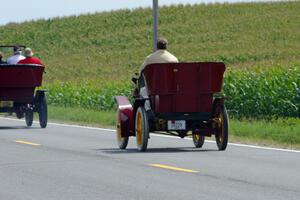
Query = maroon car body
x=18 y=93
x=18 y=82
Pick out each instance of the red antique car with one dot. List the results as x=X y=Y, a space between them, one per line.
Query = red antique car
x=18 y=92
x=181 y=100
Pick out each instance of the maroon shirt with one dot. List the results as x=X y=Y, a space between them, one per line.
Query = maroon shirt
x=30 y=60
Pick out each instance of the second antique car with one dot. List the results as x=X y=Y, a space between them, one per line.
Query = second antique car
x=182 y=99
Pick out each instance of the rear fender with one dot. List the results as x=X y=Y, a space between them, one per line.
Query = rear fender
x=126 y=111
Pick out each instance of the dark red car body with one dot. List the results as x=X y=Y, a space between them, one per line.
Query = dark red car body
x=18 y=93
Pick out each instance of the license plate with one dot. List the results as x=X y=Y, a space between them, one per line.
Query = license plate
x=6 y=104
x=176 y=125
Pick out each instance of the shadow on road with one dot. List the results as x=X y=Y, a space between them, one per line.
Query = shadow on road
x=16 y=127
x=155 y=150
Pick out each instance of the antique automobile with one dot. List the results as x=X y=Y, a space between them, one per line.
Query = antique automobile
x=18 y=93
x=182 y=99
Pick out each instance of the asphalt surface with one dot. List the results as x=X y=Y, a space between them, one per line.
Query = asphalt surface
x=72 y=162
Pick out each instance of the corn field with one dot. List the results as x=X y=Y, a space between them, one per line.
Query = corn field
x=259 y=93
x=263 y=92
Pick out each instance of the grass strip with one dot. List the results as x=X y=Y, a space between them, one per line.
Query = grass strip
x=279 y=132
x=81 y=116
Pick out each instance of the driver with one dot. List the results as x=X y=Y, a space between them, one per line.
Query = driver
x=161 y=55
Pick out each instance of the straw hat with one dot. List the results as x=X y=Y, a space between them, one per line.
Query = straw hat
x=28 y=52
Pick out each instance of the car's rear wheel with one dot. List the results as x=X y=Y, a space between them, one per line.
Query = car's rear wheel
x=141 y=129
x=43 y=111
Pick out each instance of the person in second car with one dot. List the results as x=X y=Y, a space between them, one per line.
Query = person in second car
x=161 y=55
x=16 y=57
x=29 y=58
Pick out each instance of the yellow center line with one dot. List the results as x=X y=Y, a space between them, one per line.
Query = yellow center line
x=173 y=168
x=29 y=143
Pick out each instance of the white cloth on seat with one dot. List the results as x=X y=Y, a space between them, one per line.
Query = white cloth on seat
x=144 y=94
x=15 y=59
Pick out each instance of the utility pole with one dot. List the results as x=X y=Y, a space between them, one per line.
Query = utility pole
x=155 y=24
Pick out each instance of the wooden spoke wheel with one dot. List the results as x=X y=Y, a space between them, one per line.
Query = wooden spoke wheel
x=122 y=141
x=141 y=129
x=221 y=126
x=198 y=139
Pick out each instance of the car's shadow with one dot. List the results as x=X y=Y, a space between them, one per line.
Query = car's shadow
x=155 y=150
x=16 y=127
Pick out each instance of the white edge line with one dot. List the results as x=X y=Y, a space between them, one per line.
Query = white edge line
x=62 y=124
x=166 y=136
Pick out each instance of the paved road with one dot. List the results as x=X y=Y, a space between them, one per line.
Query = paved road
x=65 y=162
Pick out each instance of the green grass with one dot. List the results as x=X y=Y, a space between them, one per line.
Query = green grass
x=82 y=116
x=110 y=46
x=277 y=132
